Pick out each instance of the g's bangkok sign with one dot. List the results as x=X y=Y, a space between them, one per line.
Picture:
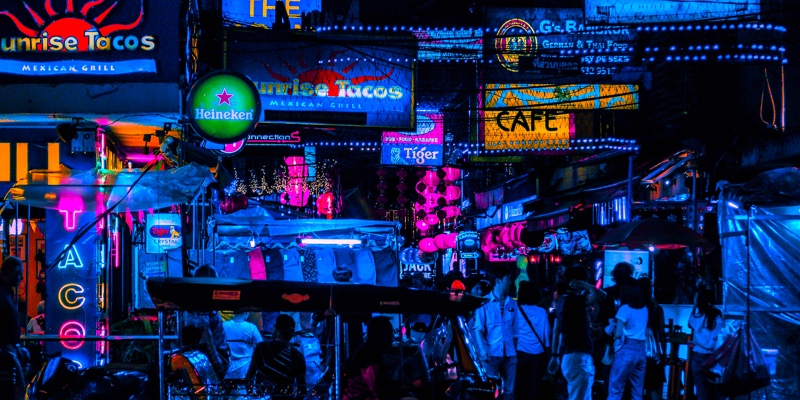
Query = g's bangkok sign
x=223 y=107
x=90 y=37
x=326 y=84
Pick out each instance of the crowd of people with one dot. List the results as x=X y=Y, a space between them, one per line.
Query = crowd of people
x=541 y=346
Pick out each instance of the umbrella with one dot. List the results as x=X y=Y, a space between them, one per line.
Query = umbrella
x=661 y=233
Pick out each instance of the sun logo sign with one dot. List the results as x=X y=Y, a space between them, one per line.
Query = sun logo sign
x=74 y=29
x=70 y=27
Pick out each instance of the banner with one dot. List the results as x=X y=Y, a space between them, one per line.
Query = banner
x=263 y=13
x=527 y=130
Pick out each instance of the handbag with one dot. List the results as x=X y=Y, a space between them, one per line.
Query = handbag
x=652 y=347
x=738 y=366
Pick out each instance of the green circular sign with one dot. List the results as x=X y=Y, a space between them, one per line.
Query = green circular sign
x=224 y=106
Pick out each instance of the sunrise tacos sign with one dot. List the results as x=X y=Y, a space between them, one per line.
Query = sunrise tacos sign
x=223 y=107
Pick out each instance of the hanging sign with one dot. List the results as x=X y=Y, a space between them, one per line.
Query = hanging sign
x=162 y=233
x=424 y=147
x=223 y=107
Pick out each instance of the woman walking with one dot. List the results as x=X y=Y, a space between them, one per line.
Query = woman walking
x=534 y=340
x=628 y=368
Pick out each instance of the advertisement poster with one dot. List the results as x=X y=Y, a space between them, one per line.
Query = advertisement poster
x=537 y=42
x=639 y=258
x=329 y=81
x=163 y=233
x=449 y=44
x=527 y=130
x=421 y=148
x=585 y=96
x=89 y=41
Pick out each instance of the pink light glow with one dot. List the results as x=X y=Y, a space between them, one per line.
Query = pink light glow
x=141 y=158
x=70 y=207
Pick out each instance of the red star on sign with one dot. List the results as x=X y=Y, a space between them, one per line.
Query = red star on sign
x=224 y=97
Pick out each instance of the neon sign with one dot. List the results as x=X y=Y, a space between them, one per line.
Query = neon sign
x=71 y=302
x=74 y=282
x=72 y=329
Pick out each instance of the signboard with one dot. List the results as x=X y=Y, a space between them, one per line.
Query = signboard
x=514 y=211
x=223 y=107
x=73 y=298
x=527 y=130
x=444 y=44
x=649 y=11
x=89 y=41
x=275 y=139
x=468 y=244
x=595 y=96
x=425 y=147
x=553 y=41
x=639 y=258
x=324 y=83
x=162 y=233
x=263 y=13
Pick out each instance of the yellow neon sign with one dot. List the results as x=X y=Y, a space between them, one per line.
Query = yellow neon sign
x=67 y=296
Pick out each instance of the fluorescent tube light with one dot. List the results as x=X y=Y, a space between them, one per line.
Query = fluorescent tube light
x=330 y=241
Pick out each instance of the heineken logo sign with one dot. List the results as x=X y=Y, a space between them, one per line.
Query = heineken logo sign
x=223 y=107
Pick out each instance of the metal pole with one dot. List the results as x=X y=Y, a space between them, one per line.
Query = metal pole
x=160 y=354
x=337 y=342
x=629 y=198
x=694 y=201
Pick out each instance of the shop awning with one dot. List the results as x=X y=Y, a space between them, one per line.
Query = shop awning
x=99 y=189
x=554 y=212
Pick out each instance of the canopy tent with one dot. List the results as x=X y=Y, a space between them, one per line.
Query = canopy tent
x=759 y=226
x=100 y=189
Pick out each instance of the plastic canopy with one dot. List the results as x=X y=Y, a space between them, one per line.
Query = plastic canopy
x=99 y=189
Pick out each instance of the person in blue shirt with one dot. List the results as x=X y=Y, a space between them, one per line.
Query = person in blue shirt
x=497 y=331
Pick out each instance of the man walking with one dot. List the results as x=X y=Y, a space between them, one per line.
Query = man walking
x=497 y=330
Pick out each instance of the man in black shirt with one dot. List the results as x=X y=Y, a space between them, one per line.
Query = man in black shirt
x=279 y=363
x=11 y=382
x=571 y=334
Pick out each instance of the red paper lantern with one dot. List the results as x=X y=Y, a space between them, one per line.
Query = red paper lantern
x=451 y=174
x=440 y=241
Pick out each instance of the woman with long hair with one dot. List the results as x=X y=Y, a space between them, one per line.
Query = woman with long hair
x=534 y=340
x=654 y=375
x=707 y=324
x=628 y=367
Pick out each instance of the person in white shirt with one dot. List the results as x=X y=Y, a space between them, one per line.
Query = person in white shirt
x=242 y=337
x=707 y=324
x=534 y=340
x=630 y=361
x=497 y=331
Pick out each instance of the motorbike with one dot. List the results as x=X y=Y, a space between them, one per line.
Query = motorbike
x=63 y=379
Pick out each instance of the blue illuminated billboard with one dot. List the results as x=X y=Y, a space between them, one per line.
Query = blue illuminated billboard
x=449 y=44
x=650 y=11
x=330 y=81
x=262 y=13
x=531 y=42
x=89 y=41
